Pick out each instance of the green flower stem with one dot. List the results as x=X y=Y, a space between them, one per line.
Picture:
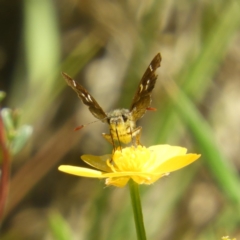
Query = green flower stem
x=137 y=210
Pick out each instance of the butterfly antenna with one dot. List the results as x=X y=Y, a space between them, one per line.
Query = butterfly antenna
x=151 y=109
x=82 y=126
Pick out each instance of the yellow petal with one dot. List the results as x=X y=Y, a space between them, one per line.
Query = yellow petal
x=117 y=182
x=140 y=178
x=79 y=171
x=176 y=163
x=126 y=174
x=151 y=178
x=98 y=162
x=164 y=152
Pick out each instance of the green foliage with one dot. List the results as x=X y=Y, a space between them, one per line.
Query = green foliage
x=16 y=136
x=59 y=227
x=2 y=95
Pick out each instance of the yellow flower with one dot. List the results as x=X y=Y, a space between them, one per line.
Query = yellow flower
x=227 y=238
x=143 y=165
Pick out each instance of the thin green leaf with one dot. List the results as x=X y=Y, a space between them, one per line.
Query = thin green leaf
x=21 y=138
x=59 y=227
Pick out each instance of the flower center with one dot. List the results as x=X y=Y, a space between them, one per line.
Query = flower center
x=133 y=159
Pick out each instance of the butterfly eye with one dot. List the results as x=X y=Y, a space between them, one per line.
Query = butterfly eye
x=124 y=118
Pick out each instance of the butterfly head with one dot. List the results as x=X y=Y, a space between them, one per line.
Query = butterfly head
x=121 y=125
x=119 y=117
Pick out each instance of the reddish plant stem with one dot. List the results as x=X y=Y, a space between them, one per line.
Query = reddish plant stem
x=5 y=169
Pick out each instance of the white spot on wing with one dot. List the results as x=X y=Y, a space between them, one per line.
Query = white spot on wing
x=141 y=87
x=150 y=67
x=147 y=85
x=74 y=83
x=89 y=97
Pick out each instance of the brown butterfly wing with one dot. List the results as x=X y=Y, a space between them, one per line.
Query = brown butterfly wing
x=86 y=98
x=142 y=98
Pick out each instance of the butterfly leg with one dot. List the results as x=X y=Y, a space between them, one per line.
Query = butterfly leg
x=108 y=137
x=137 y=134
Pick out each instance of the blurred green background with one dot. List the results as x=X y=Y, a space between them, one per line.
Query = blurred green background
x=106 y=46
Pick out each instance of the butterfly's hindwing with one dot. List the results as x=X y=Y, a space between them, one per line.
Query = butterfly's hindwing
x=86 y=98
x=142 y=97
